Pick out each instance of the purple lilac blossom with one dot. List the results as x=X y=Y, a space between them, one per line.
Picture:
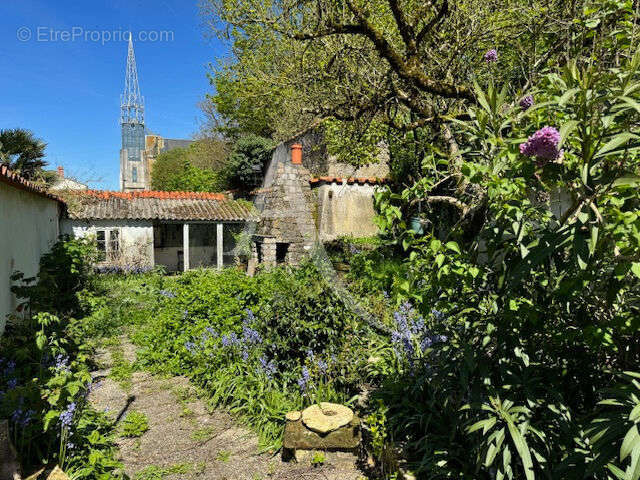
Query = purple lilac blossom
x=491 y=56
x=543 y=144
x=526 y=102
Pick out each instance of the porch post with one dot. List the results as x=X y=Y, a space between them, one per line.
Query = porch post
x=219 y=246
x=185 y=246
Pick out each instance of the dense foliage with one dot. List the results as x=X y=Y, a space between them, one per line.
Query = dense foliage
x=198 y=168
x=261 y=346
x=44 y=371
x=248 y=159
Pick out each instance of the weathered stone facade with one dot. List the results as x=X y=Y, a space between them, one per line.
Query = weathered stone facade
x=286 y=232
x=308 y=197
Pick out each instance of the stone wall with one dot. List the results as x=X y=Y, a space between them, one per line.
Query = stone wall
x=345 y=209
x=286 y=232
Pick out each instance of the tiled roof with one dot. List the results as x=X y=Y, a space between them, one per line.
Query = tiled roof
x=15 y=180
x=149 y=205
x=350 y=180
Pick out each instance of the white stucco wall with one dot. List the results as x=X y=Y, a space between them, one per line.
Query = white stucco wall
x=28 y=229
x=345 y=209
x=136 y=236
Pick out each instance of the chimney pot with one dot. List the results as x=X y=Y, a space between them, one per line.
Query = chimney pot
x=296 y=154
x=61 y=172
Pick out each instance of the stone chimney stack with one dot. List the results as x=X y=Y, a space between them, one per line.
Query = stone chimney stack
x=296 y=154
x=61 y=171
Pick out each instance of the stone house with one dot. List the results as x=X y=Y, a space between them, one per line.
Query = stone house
x=178 y=230
x=307 y=196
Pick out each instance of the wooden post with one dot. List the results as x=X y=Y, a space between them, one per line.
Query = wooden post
x=185 y=246
x=219 y=246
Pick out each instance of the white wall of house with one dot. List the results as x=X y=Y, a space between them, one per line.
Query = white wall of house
x=28 y=229
x=136 y=237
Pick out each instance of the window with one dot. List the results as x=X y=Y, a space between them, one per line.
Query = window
x=134 y=174
x=101 y=236
x=114 y=241
x=108 y=241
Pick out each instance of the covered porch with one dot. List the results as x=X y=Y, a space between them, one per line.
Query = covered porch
x=181 y=246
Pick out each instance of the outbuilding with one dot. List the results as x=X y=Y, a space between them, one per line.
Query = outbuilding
x=178 y=230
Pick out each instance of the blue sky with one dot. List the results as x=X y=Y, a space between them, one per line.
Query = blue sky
x=67 y=90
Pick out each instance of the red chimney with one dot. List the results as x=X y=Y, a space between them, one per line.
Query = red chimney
x=296 y=154
x=61 y=172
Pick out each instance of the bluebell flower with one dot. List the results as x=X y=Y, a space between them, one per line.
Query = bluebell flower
x=167 y=293
x=66 y=417
x=322 y=366
x=250 y=315
x=230 y=340
x=250 y=335
x=303 y=381
x=245 y=354
x=190 y=346
x=310 y=355
x=13 y=383
x=268 y=367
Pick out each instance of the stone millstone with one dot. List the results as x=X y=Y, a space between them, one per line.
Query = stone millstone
x=298 y=437
x=326 y=417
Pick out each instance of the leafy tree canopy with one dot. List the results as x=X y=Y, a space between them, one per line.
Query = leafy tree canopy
x=197 y=168
x=247 y=161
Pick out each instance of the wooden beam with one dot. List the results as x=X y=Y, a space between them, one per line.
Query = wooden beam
x=185 y=246
x=219 y=245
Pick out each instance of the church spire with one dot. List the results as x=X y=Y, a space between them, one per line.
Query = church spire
x=132 y=102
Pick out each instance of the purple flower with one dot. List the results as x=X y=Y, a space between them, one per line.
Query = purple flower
x=13 y=383
x=543 y=144
x=70 y=446
x=303 y=381
x=310 y=355
x=62 y=363
x=526 y=102
x=353 y=249
x=66 y=417
x=190 y=346
x=211 y=331
x=322 y=366
x=491 y=56
x=167 y=293
x=268 y=367
x=245 y=354
x=230 y=340
x=249 y=335
x=250 y=316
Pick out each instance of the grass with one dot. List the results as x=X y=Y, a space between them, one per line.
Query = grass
x=153 y=472
x=223 y=456
x=203 y=434
x=121 y=369
x=135 y=425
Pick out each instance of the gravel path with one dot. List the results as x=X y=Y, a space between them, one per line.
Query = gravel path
x=185 y=440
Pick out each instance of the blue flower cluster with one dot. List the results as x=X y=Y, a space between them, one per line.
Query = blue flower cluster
x=66 y=417
x=125 y=270
x=268 y=367
x=304 y=380
x=22 y=418
x=411 y=339
x=62 y=363
x=167 y=293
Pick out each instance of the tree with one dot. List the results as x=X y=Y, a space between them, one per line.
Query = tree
x=22 y=152
x=197 y=168
x=247 y=161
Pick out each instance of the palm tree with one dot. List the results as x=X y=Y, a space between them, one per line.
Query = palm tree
x=22 y=152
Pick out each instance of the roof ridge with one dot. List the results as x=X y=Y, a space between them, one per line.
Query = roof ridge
x=18 y=181
x=159 y=194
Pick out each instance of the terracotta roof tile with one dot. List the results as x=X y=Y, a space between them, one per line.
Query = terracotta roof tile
x=350 y=180
x=153 y=205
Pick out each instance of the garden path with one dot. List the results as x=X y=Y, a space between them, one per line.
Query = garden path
x=186 y=440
